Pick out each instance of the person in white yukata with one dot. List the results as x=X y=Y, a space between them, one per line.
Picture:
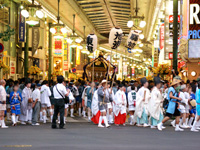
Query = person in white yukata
x=26 y=105
x=155 y=104
x=132 y=104
x=45 y=101
x=2 y=103
x=142 y=99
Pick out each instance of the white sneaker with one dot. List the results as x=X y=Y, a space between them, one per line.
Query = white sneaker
x=198 y=128
x=163 y=127
x=72 y=116
x=194 y=130
x=131 y=123
x=22 y=122
x=179 y=129
x=145 y=125
x=153 y=127
x=159 y=126
x=101 y=126
x=139 y=125
x=4 y=127
x=107 y=126
x=173 y=124
x=36 y=124
x=184 y=126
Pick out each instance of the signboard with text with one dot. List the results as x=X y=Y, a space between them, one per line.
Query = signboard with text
x=22 y=26
x=194 y=20
x=162 y=36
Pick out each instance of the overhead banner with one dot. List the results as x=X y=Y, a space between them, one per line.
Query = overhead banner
x=22 y=26
x=35 y=39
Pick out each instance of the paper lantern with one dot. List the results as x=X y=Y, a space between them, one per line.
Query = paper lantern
x=115 y=37
x=132 y=39
x=91 y=42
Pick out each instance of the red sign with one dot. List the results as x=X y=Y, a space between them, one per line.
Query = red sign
x=73 y=70
x=181 y=64
x=171 y=55
x=162 y=36
x=133 y=71
x=58 y=44
x=65 y=66
x=1 y=47
x=171 y=18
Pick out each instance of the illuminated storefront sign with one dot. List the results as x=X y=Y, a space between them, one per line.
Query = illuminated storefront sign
x=162 y=36
x=171 y=18
x=194 y=20
x=58 y=47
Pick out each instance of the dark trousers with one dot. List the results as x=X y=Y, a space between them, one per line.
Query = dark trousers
x=59 y=107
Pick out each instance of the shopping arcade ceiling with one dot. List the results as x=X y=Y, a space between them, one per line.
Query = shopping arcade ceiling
x=100 y=16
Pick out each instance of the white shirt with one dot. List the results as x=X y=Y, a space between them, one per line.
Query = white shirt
x=36 y=95
x=61 y=88
x=45 y=93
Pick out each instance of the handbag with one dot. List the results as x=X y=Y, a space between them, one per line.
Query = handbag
x=66 y=98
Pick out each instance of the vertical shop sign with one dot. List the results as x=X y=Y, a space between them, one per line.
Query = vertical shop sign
x=22 y=26
x=58 y=47
x=162 y=36
x=65 y=66
x=133 y=71
x=35 y=39
x=12 y=67
x=78 y=56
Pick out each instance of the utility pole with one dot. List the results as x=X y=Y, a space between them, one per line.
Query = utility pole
x=175 y=34
x=26 y=52
x=50 y=53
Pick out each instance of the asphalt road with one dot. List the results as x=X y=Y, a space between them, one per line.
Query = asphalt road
x=86 y=136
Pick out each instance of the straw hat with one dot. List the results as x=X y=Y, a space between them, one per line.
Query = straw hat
x=193 y=103
x=175 y=81
x=103 y=81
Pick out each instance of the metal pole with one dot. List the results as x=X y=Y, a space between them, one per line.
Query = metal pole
x=50 y=53
x=26 y=52
x=175 y=34
x=93 y=69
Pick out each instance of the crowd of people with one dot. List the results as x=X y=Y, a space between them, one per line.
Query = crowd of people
x=144 y=103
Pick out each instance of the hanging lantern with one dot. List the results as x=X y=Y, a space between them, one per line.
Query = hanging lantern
x=115 y=37
x=132 y=39
x=91 y=42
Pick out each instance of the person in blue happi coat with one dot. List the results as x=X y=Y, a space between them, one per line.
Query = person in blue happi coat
x=15 y=100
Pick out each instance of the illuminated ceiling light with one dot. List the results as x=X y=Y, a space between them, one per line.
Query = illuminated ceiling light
x=141 y=45
x=78 y=40
x=25 y=13
x=32 y=21
x=130 y=23
x=69 y=41
x=73 y=44
x=58 y=37
x=80 y=47
x=53 y=30
x=63 y=30
x=39 y=14
x=149 y=59
x=141 y=36
x=142 y=24
x=137 y=54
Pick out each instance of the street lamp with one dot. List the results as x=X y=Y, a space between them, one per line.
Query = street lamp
x=58 y=26
x=32 y=13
